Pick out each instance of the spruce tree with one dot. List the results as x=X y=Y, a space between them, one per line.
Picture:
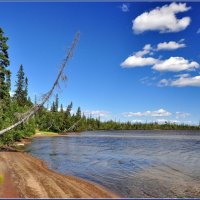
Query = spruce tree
x=4 y=72
x=69 y=109
x=53 y=107
x=78 y=113
x=61 y=108
x=20 y=93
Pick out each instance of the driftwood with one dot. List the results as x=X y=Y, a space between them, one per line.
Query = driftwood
x=27 y=115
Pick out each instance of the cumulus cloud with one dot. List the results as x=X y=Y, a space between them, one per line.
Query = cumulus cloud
x=162 y=19
x=172 y=45
x=124 y=7
x=183 y=80
x=138 y=59
x=175 y=64
x=146 y=50
x=143 y=58
x=186 y=81
x=157 y=113
x=182 y=115
x=135 y=61
x=96 y=113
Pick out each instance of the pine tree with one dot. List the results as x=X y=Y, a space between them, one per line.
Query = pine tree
x=53 y=107
x=61 y=108
x=20 y=93
x=4 y=72
x=78 y=113
x=69 y=109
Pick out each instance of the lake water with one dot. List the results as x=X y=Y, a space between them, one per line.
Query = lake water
x=129 y=163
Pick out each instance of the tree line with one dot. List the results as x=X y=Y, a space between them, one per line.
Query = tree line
x=55 y=118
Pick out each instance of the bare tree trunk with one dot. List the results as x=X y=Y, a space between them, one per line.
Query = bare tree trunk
x=27 y=115
x=74 y=125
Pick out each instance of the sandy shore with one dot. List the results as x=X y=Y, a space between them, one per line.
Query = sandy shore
x=23 y=176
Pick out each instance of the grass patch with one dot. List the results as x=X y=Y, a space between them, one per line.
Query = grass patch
x=45 y=133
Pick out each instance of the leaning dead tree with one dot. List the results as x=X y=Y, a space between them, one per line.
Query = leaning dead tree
x=32 y=111
x=74 y=125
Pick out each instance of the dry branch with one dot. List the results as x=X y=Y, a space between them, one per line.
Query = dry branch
x=27 y=115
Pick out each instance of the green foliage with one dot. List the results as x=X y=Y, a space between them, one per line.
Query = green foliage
x=4 y=72
x=69 y=109
x=78 y=113
x=62 y=120
x=21 y=92
x=11 y=109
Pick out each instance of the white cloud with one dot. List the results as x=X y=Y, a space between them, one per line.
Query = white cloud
x=128 y=114
x=183 y=80
x=182 y=115
x=164 y=121
x=146 y=50
x=162 y=19
x=172 y=45
x=157 y=113
x=137 y=60
x=124 y=7
x=182 y=75
x=137 y=121
x=173 y=121
x=96 y=113
x=198 y=31
x=134 y=61
x=175 y=64
x=186 y=81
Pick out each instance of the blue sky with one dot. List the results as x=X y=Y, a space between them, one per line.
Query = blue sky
x=134 y=61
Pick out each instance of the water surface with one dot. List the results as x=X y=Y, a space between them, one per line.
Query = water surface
x=130 y=163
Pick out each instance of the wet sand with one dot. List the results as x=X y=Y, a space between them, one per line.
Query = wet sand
x=23 y=176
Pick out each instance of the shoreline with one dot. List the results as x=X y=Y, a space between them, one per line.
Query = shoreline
x=36 y=172
x=25 y=176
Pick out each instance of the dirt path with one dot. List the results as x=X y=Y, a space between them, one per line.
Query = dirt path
x=23 y=176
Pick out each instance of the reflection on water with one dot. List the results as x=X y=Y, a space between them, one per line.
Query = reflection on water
x=131 y=163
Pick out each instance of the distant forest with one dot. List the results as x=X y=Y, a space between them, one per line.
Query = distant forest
x=55 y=118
